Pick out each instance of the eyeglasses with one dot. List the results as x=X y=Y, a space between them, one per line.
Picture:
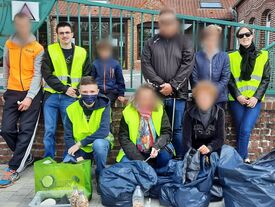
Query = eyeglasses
x=63 y=33
x=248 y=34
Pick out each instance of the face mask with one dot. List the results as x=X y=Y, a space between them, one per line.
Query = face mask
x=88 y=99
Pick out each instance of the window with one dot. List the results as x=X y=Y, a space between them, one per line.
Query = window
x=210 y=4
x=268 y=23
x=252 y=20
x=100 y=1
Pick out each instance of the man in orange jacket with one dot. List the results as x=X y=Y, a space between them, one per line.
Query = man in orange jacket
x=22 y=99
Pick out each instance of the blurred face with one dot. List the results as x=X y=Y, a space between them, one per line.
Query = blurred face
x=168 y=25
x=146 y=99
x=65 y=35
x=245 y=37
x=91 y=89
x=211 y=42
x=204 y=100
x=22 y=27
x=104 y=53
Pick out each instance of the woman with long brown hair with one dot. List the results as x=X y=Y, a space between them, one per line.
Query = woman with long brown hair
x=250 y=76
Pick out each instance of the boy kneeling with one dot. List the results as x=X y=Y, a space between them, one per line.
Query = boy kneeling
x=87 y=131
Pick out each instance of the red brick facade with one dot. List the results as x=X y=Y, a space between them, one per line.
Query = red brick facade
x=186 y=7
x=262 y=138
x=256 y=12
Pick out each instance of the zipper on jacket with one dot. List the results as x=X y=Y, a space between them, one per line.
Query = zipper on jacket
x=210 y=69
x=20 y=68
x=104 y=79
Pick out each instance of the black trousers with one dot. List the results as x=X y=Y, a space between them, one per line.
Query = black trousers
x=18 y=127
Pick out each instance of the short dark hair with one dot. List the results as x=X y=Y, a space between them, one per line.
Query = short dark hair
x=167 y=10
x=87 y=80
x=63 y=24
x=20 y=15
x=244 y=27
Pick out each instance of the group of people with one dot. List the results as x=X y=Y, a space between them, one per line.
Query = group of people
x=157 y=124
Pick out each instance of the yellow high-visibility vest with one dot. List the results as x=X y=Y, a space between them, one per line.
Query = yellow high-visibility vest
x=132 y=119
x=83 y=128
x=60 y=65
x=247 y=88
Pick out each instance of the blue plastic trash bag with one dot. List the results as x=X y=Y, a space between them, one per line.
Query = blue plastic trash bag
x=180 y=196
x=216 y=190
x=197 y=178
x=172 y=173
x=247 y=185
x=118 y=182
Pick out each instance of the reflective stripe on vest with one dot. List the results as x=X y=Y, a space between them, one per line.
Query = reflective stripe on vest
x=247 y=88
x=132 y=119
x=83 y=128
x=60 y=65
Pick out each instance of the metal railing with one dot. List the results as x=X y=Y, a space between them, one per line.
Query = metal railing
x=130 y=27
x=271 y=52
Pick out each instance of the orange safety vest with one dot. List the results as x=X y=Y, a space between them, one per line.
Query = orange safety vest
x=21 y=62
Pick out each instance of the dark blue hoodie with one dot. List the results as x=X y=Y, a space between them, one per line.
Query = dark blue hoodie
x=216 y=70
x=108 y=75
x=101 y=133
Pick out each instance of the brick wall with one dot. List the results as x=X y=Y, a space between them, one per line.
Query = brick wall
x=262 y=139
x=257 y=10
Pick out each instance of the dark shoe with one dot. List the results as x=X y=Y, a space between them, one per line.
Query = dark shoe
x=28 y=162
x=9 y=177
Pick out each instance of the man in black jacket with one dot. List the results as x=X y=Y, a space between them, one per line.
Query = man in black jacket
x=63 y=65
x=167 y=62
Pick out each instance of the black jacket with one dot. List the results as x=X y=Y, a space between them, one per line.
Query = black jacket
x=195 y=134
x=101 y=133
x=260 y=92
x=47 y=73
x=130 y=148
x=168 y=61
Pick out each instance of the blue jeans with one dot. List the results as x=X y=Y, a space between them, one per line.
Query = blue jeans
x=244 y=120
x=161 y=160
x=54 y=104
x=177 y=140
x=101 y=148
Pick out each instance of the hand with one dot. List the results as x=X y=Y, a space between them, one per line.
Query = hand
x=166 y=89
x=79 y=159
x=204 y=150
x=25 y=104
x=154 y=153
x=252 y=102
x=121 y=99
x=3 y=99
x=74 y=148
x=242 y=99
x=71 y=92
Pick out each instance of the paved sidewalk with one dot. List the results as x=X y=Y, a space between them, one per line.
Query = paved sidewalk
x=21 y=193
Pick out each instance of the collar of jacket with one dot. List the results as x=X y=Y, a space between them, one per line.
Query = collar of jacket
x=165 y=38
x=194 y=112
x=15 y=39
x=73 y=46
x=213 y=55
